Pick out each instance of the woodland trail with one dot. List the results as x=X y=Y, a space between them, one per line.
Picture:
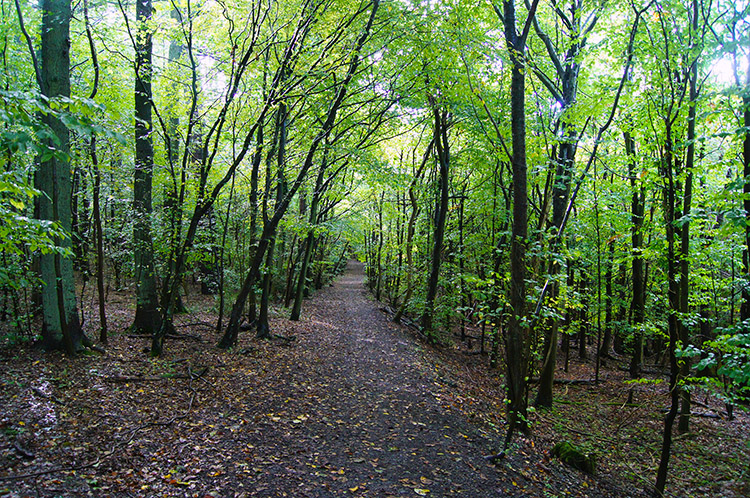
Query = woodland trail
x=355 y=406
x=371 y=422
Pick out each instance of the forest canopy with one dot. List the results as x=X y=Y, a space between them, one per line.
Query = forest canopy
x=532 y=176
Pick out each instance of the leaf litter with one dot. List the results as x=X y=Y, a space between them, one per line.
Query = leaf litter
x=355 y=406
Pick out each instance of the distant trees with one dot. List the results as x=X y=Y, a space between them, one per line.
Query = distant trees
x=565 y=164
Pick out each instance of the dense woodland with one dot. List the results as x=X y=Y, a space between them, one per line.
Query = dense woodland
x=538 y=180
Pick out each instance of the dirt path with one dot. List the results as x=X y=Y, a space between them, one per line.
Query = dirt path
x=358 y=414
x=355 y=406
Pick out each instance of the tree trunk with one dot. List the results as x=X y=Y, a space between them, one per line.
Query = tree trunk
x=147 y=317
x=441 y=124
x=517 y=334
x=583 y=329
x=97 y=211
x=308 y=243
x=638 y=305
x=378 y=234
x=61 y=328
x=745 y=305
x=263 y=330
x=684 y=297
x=410 y=231
x=606 y=346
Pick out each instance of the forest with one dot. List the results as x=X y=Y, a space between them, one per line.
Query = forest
x=550 y=201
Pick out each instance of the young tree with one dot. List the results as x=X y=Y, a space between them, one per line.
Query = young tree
x=327 y=124
x=516 y=337
x=577 y=25
x=441 y=124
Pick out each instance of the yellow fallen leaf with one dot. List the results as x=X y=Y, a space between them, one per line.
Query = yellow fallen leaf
x=355 y=488
x=421 y=491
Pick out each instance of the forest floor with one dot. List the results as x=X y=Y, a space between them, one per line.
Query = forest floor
x=354 y=406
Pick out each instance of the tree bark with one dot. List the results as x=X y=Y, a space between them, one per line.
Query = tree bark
x=442 y=150
x=606 y=346
x=147 y=317
x=517 y=334
x=638 y=305
x=61 y=328
x=411 y=230
x=309 y=239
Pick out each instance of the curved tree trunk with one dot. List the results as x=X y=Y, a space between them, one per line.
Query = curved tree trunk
x=231 y=333
x=441 y=124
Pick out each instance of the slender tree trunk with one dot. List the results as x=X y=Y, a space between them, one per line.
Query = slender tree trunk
x=673 y=319
x=606 y=346
x=517 y=334
x=745 y=304
x=683 y=425
x=441 y=124
x=254 y=212
x=97 y=211
x=378 y=234
x=671 y=209
x=462 y=290
x=583 y=330
x=221 y=257
x=99 y=243
x=411 y=230
x=565 y=161
x=638 y=305
x=263 y=330
x=307 y=247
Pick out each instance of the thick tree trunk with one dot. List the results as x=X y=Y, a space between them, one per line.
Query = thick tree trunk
x=61 y=328
x=147 y=317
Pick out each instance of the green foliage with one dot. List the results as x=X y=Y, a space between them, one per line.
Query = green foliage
x=725 y=363
x=22 y=139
